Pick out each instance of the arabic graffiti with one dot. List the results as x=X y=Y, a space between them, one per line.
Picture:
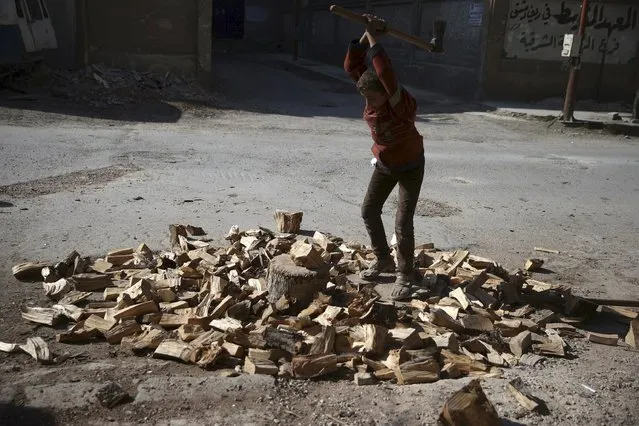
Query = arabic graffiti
x=536 y=28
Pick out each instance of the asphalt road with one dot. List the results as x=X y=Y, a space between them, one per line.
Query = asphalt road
x=495 y=185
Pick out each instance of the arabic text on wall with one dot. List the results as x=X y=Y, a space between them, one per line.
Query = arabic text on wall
x=536 y=28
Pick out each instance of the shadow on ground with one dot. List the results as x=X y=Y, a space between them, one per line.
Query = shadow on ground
x=254 y=84
x=13 y=414
x=146 y=112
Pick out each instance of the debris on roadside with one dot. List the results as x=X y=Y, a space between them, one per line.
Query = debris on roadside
x=283 y=304
x=100 y=86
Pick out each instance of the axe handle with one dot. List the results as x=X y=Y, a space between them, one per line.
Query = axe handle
x=351 y=16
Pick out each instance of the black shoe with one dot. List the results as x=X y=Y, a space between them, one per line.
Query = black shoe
x=384 y=264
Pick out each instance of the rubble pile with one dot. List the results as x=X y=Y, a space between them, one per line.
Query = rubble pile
x=282 y=304
x=100 y=86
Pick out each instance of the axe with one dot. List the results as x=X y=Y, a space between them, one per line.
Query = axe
x=436 y=45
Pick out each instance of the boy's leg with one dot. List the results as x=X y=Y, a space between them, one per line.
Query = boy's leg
x=410 y=184
x=379 y=188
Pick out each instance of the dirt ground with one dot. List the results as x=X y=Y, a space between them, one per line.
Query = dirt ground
x=89 y=178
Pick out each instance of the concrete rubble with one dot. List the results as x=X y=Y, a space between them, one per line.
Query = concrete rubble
x=286 y=305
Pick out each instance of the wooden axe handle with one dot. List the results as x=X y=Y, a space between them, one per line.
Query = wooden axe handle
x=351 y=16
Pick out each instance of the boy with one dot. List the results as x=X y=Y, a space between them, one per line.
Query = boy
x=399 y=153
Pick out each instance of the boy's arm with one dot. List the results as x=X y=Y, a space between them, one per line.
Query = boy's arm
x=384 y=69
x=355 y=61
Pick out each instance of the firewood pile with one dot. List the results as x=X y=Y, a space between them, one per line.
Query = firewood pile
x=283 y=304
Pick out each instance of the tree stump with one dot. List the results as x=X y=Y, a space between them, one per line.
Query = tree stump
x=298 y=284
x=288 y=222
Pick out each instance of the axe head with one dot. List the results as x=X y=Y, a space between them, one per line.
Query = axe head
x=439 y=28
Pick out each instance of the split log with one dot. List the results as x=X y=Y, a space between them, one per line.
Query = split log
x=188 y=332
x=46 y=316
x=364 y=379
x=125 y=328
x=477 y=323
x=74 y=297
x=632 y=338
x=603 y=339
x=308 y=366
x=38 y=349
x=226 y=324
x=305 y=255
x=324 y=343
x=288 y=222
x=298 y=284
x=29 y=271
x=77 y=334
x=98 y=323
x=533 y=264
x=207 y=356
x=554 y=347
x=56 y=290
x=469 y=406
x=137 y=310
x=407 y=337
x=447 y=341
x=150 y=338
x=266 y=354
x=90 y=282
x=426 y=371
x=222 y=307
x=459 y=295
x=286 y=340
x=458 y=258
x=522 y=394
x=171 y=349
x=260 y=367
x=520 y=343
x=233 y=350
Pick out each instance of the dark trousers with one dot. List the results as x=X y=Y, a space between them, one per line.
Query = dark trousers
x=380 y=186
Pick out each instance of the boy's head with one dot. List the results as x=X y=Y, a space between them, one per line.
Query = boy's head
x=372 y=89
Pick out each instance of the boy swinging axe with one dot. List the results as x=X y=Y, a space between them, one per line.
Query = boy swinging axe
x=398 y=147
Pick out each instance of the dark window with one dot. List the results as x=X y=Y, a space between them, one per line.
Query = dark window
x=34 y=10
x=45 y=12
x=19 y=10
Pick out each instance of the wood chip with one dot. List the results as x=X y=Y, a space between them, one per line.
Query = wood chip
x=546 y=250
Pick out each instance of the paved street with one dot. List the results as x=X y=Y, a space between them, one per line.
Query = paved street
x=495 y=185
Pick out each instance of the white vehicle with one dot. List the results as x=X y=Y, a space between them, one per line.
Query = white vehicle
x=25 y=31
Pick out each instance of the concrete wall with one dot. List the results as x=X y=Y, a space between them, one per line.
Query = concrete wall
x=157 y=35
x=263 y=27
x=325 y=36
x=523 y=55
x=63 y=18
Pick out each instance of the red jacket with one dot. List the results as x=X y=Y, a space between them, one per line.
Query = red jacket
x=397 y=143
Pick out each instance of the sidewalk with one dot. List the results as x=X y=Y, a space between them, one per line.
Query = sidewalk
x=615 y=118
